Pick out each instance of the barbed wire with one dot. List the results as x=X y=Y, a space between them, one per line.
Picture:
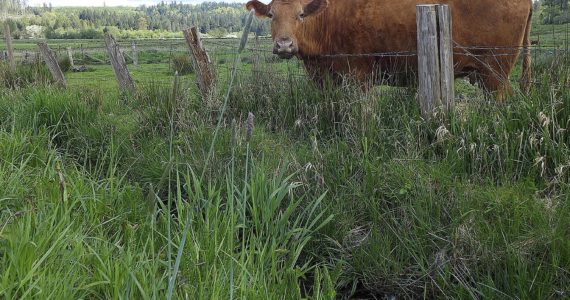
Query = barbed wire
x=160 y=47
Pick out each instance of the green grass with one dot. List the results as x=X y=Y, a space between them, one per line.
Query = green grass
x=337 y=194
x=156 y=59
x=553 y=36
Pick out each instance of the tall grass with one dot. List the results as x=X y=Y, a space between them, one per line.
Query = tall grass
x=111 y=210
x=336 y=193
x=35 y=73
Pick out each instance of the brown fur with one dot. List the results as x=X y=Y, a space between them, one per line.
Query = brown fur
x=387 y=26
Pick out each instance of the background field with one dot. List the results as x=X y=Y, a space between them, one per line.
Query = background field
x=319 y=193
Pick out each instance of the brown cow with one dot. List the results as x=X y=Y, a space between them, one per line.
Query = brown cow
x=363 y=37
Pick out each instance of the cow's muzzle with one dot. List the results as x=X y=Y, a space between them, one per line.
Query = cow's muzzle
x=284 y=48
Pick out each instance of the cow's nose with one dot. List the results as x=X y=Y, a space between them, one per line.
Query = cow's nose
x=283 y=46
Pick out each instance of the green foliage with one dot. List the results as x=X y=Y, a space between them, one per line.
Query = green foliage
x=11 y=6
x=155 y=21
x=218 y=32
x=130 y=254
x=338 y=194
x=70 y=33
x=64 y=64
x=182 y=64
x=24 y=75
x=555 y=12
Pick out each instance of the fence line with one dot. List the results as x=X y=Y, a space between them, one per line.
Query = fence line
x=171 y=51
x=182 y=49
x=219 y=50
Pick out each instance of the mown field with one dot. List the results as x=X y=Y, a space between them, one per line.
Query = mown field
x=318 y=194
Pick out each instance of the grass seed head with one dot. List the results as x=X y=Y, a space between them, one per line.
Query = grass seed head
x=249 y=127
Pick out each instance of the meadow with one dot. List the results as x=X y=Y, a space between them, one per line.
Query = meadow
x=286 y=192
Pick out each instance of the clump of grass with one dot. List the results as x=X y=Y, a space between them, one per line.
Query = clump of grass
x=182 y=64
x=247 y=60
x=64 y=64
x=24 y=75
x=510 y=157
x=121 y=243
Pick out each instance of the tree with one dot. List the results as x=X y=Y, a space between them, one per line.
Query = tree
x=555 y=12
x=561 y=4
x=9 y=7
x=218 y=32
x=142 y=23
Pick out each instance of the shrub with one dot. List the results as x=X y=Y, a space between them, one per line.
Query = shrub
x=64 y=64
x=24 y=75
x=247 y=60
x=182 y=64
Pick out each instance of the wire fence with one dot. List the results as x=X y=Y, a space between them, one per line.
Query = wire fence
x=160 y=58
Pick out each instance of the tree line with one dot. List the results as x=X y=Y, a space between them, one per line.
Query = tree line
x=166 y=19
x=163 y=19
x=10 y=7
x=553 y=11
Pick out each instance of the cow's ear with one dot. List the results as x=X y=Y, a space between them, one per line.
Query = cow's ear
x=314 y=6
x=261 y=10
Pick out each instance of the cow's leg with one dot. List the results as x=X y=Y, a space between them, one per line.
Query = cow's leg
x=494 y=76
x=315 y=71
x=316 y=76
x=364 y=73
x=498 y=66
x=496 y=86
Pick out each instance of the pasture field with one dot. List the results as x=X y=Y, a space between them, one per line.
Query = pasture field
x=156 y=59
x=550 y=35
x=318 y=194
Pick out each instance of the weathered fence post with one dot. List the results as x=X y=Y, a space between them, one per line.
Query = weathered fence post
x=446 y=57
x=70 y=57
x=119 y=66
x=52 y=64
x=10 y=49
x=135 y=54
x=201 y=62
x=435 y=58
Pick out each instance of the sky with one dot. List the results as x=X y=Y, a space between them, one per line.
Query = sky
x=117 y=2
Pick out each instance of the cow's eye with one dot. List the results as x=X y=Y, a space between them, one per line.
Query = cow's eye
x=301 y=15
x=270 y=14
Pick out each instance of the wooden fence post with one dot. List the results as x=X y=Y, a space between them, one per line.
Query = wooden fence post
x=201 y=62
x=446 y=57
x=119 y=66
x=52 y=64
x=135 y=54
x=435 y=58
x=10 y=49
x=70 y=57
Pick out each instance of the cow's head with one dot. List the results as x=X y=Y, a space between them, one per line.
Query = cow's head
x=286 y=17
